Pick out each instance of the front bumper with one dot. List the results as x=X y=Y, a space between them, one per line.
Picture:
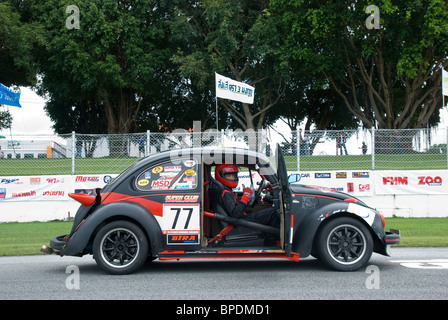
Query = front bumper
x=392 y=237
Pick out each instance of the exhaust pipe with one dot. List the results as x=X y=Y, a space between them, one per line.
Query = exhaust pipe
x=46 y=250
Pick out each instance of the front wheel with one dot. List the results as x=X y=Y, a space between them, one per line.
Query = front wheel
x=344 y=244
x=120 y=247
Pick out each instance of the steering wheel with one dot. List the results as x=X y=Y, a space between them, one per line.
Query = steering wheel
x=263 y=185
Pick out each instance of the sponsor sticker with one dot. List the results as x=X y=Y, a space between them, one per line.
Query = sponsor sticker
x=143 y=182
x=157 y=169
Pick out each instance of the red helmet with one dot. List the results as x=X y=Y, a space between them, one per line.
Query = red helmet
x=227 y=174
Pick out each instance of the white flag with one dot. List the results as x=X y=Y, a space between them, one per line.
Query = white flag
x=230 y=89
x=444 y=83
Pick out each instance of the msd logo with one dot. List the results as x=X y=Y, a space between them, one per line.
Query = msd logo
x=394 y=181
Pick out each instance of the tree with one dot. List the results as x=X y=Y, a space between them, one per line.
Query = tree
x=18 y=66
x=5 y=120
x=236 y=39
x=106 y=66
x=388 y=76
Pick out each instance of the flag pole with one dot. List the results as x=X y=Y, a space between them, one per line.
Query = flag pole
x=216 y=98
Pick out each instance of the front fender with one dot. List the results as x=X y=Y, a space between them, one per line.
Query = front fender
x=307 y=227
x=113 y=211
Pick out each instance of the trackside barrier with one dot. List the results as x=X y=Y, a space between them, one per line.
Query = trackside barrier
x=401 y=193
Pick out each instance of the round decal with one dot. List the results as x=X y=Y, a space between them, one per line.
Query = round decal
x=189 y=163
x=190 y=172
x=143 y=182
x=157 y=169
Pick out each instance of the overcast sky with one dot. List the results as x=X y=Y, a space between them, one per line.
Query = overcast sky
x=31 y=118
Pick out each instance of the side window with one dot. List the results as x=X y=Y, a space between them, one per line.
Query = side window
x=169 y=176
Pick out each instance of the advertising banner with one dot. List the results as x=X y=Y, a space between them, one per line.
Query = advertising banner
x=429 y=182
x=28 y=188
x=356 y=183
x=88 y=183
x=48 y=188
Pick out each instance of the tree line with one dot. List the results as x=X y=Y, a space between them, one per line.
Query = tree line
x=109 y=66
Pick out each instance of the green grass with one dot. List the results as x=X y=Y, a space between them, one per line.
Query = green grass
x=364 y=162
x=26 y=167
x=26 y=238
x=108 y=165
x=420 y=232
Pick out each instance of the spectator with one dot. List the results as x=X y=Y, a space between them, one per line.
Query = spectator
x=141 y=146
x=265 y=141
x=2 y=155
x=342 y=139
x=397 y=143
x=306 y=144
x=78 y=147
x=364 y=148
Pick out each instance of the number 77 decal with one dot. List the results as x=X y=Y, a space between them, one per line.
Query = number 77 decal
x=181 y=219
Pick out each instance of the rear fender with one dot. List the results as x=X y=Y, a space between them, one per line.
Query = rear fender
x=113 y=211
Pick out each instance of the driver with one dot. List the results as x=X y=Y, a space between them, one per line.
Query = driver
x=227 y=175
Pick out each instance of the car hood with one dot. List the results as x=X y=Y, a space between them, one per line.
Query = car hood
x=310 y=190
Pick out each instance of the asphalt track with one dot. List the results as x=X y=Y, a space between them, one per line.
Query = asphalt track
x=409 y=274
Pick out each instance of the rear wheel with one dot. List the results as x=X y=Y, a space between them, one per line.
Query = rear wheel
x=120 y=247
x=344 y=244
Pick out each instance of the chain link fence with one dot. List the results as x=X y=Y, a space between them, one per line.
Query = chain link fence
x=318 y=150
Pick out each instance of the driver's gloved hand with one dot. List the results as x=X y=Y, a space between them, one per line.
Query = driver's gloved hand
x=248 y=195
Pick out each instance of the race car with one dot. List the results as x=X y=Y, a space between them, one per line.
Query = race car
x=160 y=208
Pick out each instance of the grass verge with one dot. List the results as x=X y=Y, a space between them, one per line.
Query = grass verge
x=109 y=165
x=26 y=238
x=420 y=232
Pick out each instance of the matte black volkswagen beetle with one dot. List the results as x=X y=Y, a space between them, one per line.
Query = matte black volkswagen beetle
x=159 y=208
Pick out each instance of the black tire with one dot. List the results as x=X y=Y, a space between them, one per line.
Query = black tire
x=120 y=247
x=344 y=244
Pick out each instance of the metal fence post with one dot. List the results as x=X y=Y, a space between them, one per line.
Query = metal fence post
x=297 y=140
x=73 y=151
x=148 y=143
x=373 y=148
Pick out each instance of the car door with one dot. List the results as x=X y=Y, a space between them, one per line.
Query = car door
x=176 y=187
x=285 y=201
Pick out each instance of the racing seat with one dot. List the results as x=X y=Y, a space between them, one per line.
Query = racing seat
x=214 y=189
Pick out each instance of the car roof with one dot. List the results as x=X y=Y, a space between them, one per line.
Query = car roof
x=211 y=156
